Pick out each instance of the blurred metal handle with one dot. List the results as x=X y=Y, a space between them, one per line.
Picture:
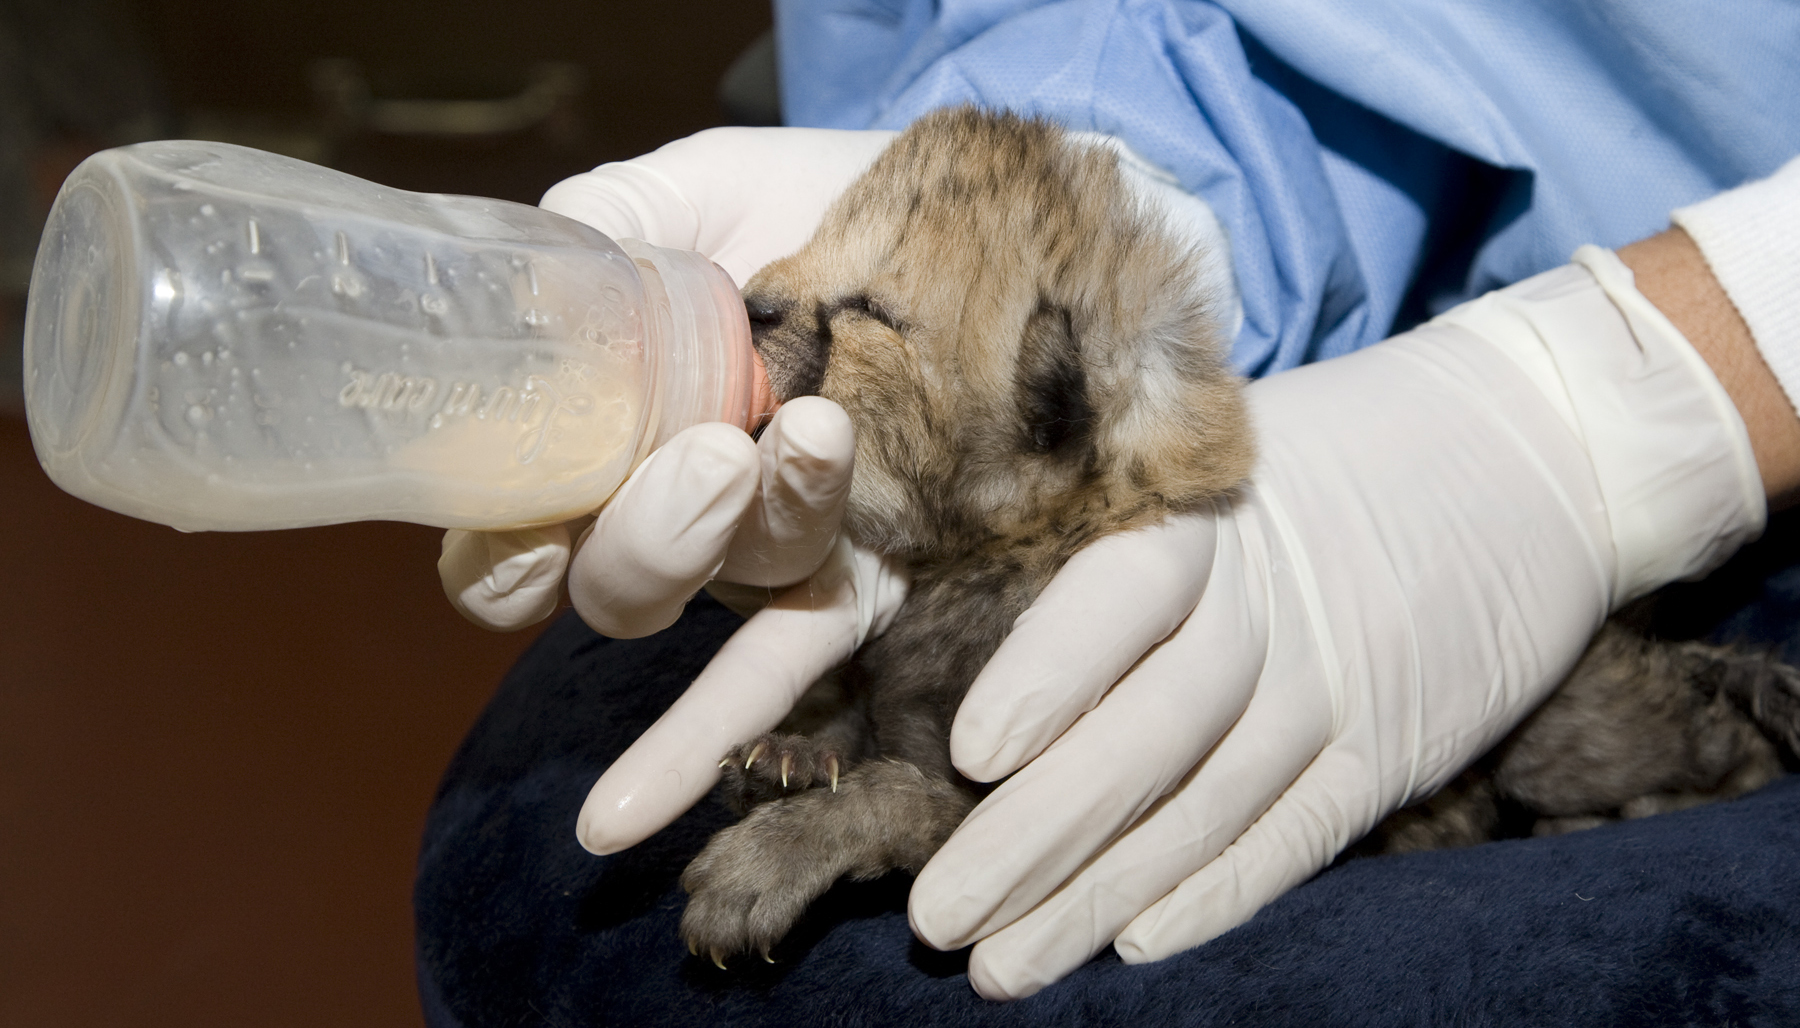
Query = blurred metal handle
x=343 y=91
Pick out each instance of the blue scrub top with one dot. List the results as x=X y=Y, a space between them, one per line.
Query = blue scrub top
x=1374 y=161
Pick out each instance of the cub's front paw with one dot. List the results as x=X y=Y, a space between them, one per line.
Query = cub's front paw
x=772 y=765
x=752 y=882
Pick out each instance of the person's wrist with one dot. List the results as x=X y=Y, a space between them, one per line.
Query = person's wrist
x=1673 y=275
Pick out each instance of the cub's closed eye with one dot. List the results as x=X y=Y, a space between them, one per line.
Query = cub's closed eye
x=862 y=303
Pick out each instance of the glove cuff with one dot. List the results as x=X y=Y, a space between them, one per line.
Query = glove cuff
x=1750 y=237
x=1669 y=451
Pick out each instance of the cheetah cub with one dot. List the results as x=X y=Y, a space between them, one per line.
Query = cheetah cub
x=1031 y=360
x=1029 y=363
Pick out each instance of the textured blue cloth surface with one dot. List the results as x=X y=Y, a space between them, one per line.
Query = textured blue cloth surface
x=1683 y=919
x=1374 y=161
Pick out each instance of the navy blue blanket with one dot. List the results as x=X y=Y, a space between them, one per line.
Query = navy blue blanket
x=1684 y=919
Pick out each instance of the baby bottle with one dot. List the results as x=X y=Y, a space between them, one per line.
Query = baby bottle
x=219 y=338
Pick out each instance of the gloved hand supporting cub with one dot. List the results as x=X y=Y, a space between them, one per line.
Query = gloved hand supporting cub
x=1436 y=528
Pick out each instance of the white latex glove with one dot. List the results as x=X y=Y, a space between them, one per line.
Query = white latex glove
x=1436 y=528
x=707 y=503
x=748 y=687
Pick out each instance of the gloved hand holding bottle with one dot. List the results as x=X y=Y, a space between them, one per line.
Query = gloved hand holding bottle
x=709 y=504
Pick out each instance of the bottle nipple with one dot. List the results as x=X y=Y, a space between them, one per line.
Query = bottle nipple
x=698 y=318
x=762 y=395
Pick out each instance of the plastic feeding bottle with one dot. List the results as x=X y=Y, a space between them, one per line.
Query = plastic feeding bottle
x=221 y=338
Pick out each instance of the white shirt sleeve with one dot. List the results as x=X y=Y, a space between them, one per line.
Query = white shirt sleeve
x=1751 y=239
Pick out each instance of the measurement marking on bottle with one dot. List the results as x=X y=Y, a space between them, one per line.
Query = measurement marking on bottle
x=346 y=281
x=252 y=267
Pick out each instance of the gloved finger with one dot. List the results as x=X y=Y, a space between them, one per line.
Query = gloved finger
x=746 y=689
x=1277 y=740
x=741 y=196
x=1300 y=834
x=806 y=456
x=1033 y=832
x=1104 y=610
x=504 y=581
x=665 y=532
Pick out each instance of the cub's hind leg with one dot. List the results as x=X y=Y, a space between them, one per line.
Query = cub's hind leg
x=754 y=880
x=1465 y=812
x=1642 y=726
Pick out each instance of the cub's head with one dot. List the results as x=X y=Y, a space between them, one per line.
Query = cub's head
x=1023 y=348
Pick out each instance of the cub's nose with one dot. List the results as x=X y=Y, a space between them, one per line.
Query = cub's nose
x=764 y=314
x=794 y=346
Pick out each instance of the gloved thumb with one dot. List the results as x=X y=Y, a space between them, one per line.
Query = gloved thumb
x=665 y=533
x=807 y=451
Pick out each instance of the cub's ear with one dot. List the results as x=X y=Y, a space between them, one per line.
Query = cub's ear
x=1166 y=405
x=1051 y=385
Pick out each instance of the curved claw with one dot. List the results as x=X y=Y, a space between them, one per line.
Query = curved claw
x=787 y=765
x=831 y=764
x=757 y=751
x=718 y=959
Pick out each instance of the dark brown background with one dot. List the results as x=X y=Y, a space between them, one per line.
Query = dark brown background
x=216 y=750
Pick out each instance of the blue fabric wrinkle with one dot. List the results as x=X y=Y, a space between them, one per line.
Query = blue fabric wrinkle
x=1374 y=161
